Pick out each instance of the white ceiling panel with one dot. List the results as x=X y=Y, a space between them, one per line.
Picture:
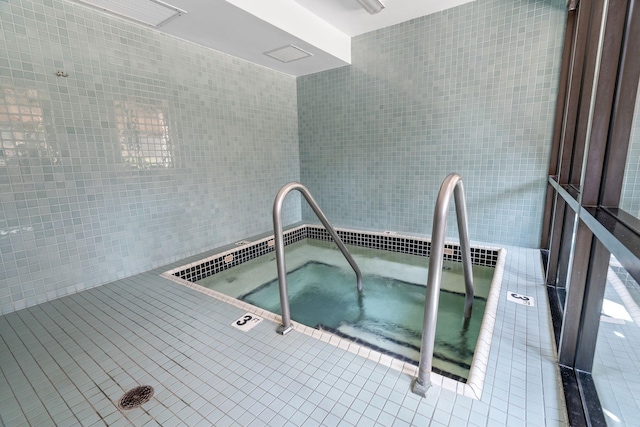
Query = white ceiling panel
x=247 y=29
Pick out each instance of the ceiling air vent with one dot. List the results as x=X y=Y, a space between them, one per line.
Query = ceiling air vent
x=149 y=12
x=288 y=53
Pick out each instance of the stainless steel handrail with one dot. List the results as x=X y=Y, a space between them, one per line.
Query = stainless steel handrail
x=279 y=243
x=451 y=184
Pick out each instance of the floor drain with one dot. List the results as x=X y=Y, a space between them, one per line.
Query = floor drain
x=134 y=398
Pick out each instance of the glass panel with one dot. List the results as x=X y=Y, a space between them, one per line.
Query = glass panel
x=616 y=367
x=630 y=200
x=567 y=249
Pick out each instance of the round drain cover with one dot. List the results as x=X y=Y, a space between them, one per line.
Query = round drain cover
x=134 y=398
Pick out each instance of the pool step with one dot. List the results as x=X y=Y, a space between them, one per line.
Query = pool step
x=373 y=342
x=387 y=342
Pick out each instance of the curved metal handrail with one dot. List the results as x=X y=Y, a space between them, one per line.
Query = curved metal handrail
x=279 y=243
x=451 y=184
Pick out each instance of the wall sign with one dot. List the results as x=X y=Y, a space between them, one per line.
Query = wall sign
x=520 y=299
x=247 y=322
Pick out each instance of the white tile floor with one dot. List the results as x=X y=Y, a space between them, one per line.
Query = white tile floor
x=616 y=368
x=68 y=362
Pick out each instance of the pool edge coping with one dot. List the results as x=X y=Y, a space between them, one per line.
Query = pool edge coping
x=480 y=361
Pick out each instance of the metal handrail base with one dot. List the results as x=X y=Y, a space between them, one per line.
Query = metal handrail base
x=279 y=244
x=420 y=389
x=284 y=331
x=452 y=184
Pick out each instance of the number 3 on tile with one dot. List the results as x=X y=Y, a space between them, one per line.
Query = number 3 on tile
x=247 y=322
x=520 y=299
x=244 y=320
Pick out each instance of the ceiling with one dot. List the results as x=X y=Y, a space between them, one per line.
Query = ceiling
x=248 y=28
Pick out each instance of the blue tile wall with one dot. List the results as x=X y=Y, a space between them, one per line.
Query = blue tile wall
x=470 y=90
x=153 y=149
x=150 y=150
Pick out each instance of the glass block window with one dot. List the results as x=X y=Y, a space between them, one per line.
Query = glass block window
x=22 y=131
x=143 y=134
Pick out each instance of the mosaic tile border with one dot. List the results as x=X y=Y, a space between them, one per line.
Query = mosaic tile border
x=199 y=270
x=405 y=244
x=487 y=256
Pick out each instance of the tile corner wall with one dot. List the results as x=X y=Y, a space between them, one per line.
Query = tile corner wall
x=142 y=155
